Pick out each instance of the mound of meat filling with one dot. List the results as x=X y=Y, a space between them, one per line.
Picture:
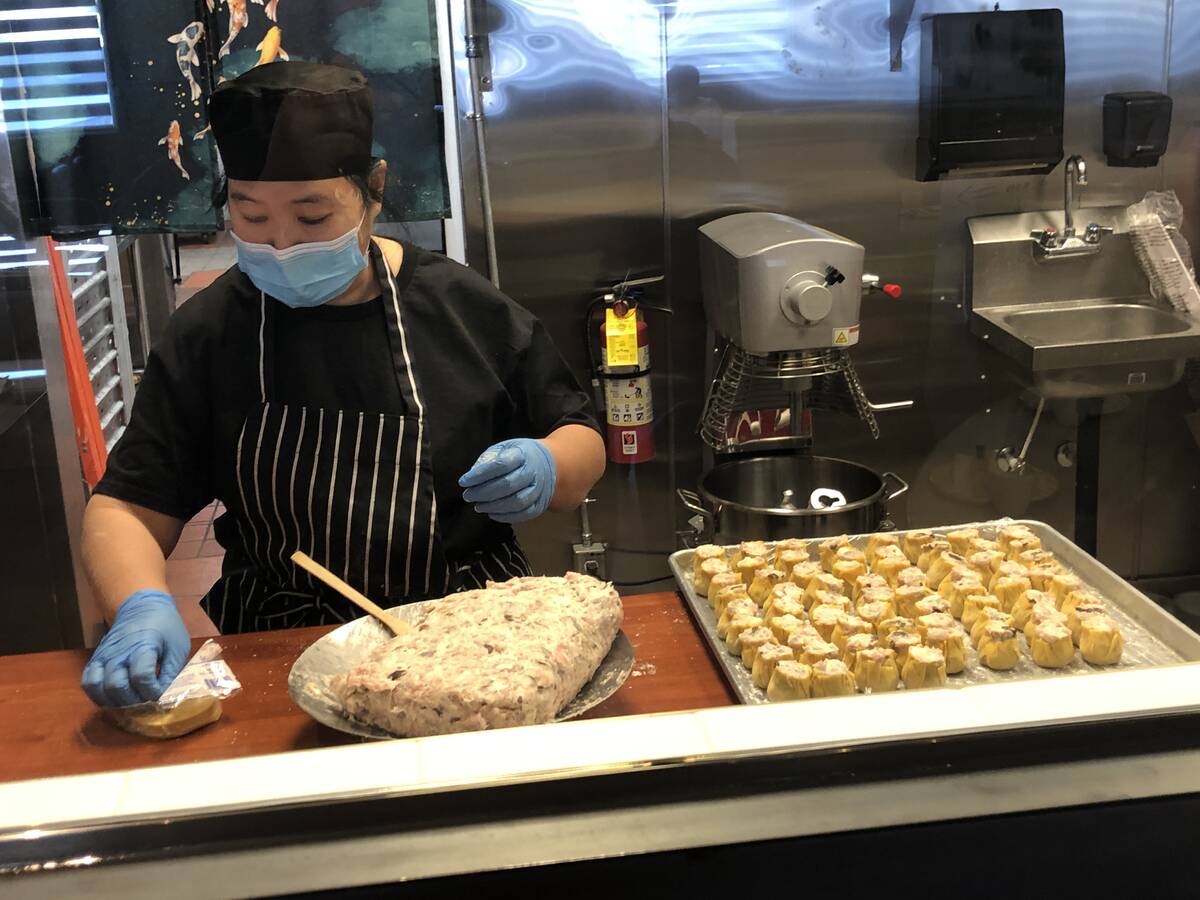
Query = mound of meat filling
x=512 y=654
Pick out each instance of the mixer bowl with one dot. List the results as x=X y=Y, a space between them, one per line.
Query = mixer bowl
x=768 y=498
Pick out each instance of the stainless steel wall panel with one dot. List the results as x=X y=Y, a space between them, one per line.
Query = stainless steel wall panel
x=792 y=106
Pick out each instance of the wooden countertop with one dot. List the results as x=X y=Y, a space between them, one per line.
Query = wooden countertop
x=49 y=728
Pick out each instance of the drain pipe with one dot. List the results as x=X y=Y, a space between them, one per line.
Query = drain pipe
x=481 y=79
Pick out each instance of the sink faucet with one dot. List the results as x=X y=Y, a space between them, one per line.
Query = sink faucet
x=1048 y=243
x=1076 y=174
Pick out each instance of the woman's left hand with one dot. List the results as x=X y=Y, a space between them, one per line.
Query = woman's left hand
x=512 y=481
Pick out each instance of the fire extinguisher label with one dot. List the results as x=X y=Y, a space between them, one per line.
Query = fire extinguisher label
x=629 y=401
x=643 y=358
x=629 y=445
x=620 y=344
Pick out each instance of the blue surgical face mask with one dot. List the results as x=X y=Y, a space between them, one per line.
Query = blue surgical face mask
x=303 y=275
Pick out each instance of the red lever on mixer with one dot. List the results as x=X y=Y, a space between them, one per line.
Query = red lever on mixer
x=893 y=290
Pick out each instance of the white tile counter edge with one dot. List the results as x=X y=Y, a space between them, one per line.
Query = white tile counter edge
x=466 y=760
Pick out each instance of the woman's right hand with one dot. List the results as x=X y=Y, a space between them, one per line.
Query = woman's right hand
x=142 y=653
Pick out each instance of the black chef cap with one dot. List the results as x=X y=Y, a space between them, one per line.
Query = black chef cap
x=293 y=121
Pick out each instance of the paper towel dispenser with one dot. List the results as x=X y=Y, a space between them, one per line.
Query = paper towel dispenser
x=992 y=90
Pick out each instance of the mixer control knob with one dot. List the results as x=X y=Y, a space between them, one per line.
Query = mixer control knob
x=806 y=298
x=833 y=276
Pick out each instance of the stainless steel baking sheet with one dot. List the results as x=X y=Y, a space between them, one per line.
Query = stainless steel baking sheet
x=1153 y=637
x=345 y=647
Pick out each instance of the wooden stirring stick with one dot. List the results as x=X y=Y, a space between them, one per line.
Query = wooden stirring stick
x=321 y=573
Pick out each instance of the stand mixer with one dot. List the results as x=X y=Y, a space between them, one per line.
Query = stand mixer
x=783 y=299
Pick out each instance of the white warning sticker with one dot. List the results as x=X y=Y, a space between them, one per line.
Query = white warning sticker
x=845 y=337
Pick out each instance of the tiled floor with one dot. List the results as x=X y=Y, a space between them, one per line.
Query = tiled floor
x=194 y=567
x=202 y=264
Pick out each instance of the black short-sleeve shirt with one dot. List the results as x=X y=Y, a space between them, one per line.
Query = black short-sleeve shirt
x=485 y=368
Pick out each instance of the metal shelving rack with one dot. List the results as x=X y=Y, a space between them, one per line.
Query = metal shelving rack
x=94 y=272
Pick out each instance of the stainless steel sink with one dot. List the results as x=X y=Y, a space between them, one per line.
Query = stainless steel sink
x=1085 y=333
x=1081 y=327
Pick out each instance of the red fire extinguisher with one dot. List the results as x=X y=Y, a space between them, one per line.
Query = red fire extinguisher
x=625 y=370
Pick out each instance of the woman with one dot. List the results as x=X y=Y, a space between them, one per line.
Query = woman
x=379 y=407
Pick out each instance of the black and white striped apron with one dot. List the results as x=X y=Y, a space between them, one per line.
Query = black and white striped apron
x=352 y=489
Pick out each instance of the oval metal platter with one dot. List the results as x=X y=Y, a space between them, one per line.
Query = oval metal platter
x=310 y=679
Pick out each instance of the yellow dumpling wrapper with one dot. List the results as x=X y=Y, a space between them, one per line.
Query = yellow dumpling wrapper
x=1079 y=598
x=932 y=604
x=865 y=583
x=790 y=681
x=831 y=584
x=1051 y=646
x=956 y=592
x=913 y=541
x=1100 y=641
x=952 y=643
x=846 y=626
x=931 y=551
x=975 y=604
x=987 y=617
x=875 y=611
x=719 y=583
x=825 y=620
x=878 y=541
x=784 y=606
x=1023 y=608
x=980 y=544
x=831 y=678
x=1007 y=569
x=1008 y=591
x=1063 y=585
x=940 y=567
x=848 y=570
x=985 y=562
x=783 y=627
x=907 y=597
x=900 y=642
x=935 y=621
x=875 y=670
x=1011 y=533
x=894 y=623
x=741 y=607
x=827 y=550
x=890 y=568
x=1081 y=614
x=925 y=667
x=999 y=647
x=753 y=549
x=815 y=651
x=855 y=644
x=804 y=573
x=708 y=569
x=764 y=581
x=1044 y=614
x=752 y=640
x=768 y=657
x=787 y=592
x=747 y=567
x=789 y=559
x=884 y=595
x=726 y=595
x=737 y=626
x=960 y=539
x=791 y=545
x=705 y=552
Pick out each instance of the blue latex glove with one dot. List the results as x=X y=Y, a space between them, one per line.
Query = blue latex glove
x=512 y=481
x=142 y=653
